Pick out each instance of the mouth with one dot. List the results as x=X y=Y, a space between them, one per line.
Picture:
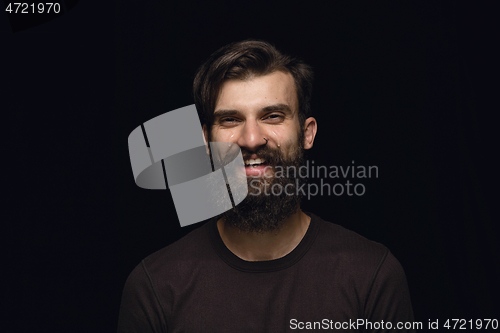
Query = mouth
x=255 y=167
x=253 y=163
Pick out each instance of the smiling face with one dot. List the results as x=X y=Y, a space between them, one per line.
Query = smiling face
x=251 y=112
x=261 y=116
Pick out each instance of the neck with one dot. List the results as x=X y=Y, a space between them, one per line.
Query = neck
x=253 y=246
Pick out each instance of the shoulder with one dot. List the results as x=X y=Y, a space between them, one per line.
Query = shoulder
x=337 y=238
x=347 y=249
x=368 y=264
x=179 y=255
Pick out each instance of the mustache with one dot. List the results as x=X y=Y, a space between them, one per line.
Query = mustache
x=272 y=156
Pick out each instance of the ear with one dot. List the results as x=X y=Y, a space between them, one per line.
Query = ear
x=205 y=138
x=310 y=129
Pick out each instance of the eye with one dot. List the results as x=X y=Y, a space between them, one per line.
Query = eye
x=228 y=120
x=275 y=117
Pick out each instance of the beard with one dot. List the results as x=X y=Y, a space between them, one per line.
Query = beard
x=271 y=199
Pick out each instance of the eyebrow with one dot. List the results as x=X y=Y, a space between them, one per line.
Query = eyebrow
x=275 y=107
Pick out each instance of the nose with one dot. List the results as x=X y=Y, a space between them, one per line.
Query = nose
x=251 y=136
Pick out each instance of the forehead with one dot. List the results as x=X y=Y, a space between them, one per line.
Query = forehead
x=258 y=92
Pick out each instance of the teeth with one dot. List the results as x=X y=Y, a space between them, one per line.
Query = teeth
x=254 y=161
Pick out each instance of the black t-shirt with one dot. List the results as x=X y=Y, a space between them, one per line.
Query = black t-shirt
x=333 y=280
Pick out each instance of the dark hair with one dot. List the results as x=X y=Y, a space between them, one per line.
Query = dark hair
x=242 y=60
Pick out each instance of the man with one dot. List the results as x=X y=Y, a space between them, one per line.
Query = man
x=265 y=266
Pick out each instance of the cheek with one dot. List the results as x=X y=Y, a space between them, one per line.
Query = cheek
x=287 y=140
x=222 y=136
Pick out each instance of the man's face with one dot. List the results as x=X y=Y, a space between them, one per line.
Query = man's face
x=249 y=113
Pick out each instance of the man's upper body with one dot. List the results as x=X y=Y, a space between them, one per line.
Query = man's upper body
x=333 y=277
x=264 y=266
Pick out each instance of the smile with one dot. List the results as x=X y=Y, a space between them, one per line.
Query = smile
x=254 y=162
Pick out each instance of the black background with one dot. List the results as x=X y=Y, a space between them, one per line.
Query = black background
x=410 y=87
